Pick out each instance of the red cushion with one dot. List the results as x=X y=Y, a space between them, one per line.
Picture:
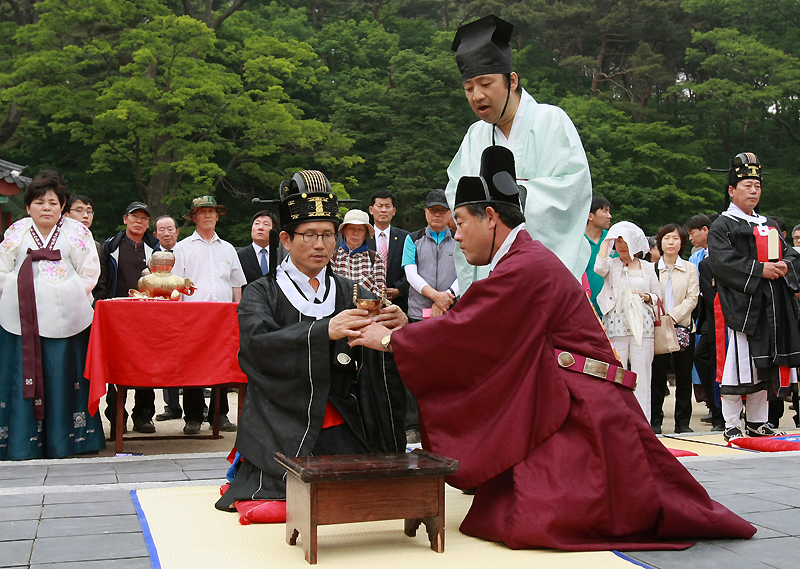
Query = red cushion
x=677 y=452
x=224 y=488
x=261 y=512
x=769 y=444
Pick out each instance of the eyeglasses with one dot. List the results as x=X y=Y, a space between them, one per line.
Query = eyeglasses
x=310 y=238
x=139 y=217
x=81 y=211
x=383 y=207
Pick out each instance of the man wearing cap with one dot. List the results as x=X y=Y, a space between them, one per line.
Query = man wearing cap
x=308 y=392
x=126 y=255
x=428 y=261
x=255 y=257
x=550 y=162
x=519 y=383
x=756 y=276
x=431 y=274
x=214 y=267
x=354 y=260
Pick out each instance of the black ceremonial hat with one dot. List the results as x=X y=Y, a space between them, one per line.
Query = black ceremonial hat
x=482 y=47
x=308 y=197
x=743 y=166
x=497 y=182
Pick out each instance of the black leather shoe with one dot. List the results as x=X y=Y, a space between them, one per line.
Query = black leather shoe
x=168 y=416
x=225 y=425
x=191 y=428
x=707 y=419
x=144 y=427
x=656 y=429
x=683 y=429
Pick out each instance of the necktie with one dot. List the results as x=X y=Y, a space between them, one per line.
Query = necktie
x=314 y=283
x=383 y=246
x=263 y=262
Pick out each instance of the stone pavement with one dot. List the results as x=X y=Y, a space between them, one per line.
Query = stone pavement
x=78 y=513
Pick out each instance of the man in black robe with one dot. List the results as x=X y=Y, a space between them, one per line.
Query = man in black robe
x=308 y=392
x=756 y=275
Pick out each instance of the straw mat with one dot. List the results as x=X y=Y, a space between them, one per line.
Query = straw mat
x=184 y=530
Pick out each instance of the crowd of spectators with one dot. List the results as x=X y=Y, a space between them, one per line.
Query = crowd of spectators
x=631 y=277
x=631 y=281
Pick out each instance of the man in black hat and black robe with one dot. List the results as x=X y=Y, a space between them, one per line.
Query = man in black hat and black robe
x=756 y=275
x=551 y=164
x=308 y=392
x=520 y=384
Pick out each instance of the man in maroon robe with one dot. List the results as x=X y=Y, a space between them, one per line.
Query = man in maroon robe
x=560 y=458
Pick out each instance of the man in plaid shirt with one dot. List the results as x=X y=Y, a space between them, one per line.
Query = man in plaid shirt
x=353 y=259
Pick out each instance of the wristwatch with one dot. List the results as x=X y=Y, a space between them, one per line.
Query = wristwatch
x=386 y=342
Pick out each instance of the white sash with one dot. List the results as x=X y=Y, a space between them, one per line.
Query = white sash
x=301 y=303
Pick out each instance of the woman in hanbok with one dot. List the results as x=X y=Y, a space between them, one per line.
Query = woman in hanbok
x=630 y=291
x=48 y=268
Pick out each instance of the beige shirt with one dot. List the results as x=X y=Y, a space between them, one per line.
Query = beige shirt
x=685 y=289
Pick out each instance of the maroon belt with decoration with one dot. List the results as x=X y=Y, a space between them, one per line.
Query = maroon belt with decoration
x=596 y=368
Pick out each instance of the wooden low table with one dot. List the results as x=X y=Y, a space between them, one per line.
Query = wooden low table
x=324 y=490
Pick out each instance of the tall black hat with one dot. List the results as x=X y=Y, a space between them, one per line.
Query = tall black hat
x=743 y=166
x=308 y=197
x=497 y=181
x=482 y=47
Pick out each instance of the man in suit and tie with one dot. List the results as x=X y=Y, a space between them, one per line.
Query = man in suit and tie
x=388 y=242
x=255 y=257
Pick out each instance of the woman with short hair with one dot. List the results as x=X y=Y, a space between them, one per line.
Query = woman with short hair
x=48 y=268
x=680 y=289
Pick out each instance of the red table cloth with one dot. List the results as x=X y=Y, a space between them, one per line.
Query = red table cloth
x=148 y=343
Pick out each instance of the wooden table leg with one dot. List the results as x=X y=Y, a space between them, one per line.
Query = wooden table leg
x=435 y=524
x=301 y=516
x=119 y=417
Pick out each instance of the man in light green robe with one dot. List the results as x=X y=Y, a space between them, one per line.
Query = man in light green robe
x=549 y=158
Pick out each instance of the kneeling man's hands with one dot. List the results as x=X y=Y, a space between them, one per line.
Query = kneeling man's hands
x=348 y=323
x=392 y=317
x=371 y=336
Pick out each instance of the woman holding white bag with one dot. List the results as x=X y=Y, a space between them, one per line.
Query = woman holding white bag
x=630 y=291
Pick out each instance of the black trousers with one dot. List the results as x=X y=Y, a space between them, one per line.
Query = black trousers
x=193 y=403
x=144 y=406
x=706 y=370
x=172 y=400
x=682 y=362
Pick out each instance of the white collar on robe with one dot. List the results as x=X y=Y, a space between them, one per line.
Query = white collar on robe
x=735 y=212
x=304 y=303
x=500 y=138
x=501 y=252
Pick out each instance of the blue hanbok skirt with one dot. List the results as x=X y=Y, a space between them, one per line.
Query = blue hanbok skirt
x=67 y=428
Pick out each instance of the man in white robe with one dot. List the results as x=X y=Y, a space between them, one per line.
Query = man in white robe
x=549 y=157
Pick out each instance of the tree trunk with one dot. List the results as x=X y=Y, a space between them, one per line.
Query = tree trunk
x=9 y=126
x=599 y=69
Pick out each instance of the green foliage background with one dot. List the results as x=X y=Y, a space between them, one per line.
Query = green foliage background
x=165 y=100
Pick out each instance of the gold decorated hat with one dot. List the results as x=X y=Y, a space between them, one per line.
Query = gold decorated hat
x=307 y=197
